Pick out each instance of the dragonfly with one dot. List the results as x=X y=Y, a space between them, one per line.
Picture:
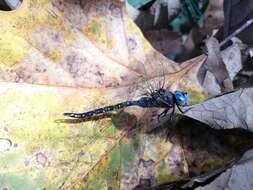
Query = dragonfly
x=160 y=98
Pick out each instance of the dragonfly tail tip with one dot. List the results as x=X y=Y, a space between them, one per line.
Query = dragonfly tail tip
x=68 y=114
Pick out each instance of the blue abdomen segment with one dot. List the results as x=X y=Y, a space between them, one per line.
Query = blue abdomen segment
x=144 y=102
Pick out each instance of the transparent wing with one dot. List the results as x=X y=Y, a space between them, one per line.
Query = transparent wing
x=156 y=73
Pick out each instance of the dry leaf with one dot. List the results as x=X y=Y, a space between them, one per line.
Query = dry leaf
x=213 y=17
x=190 y=183
x=213 y=73
x=232 y=58
x=228 y=111
x=75 y=57
x=237 y=177
x=158 y=16
x=165 y=41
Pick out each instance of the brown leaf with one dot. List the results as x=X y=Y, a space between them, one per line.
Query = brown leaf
x=213 y=17
x=79 y=48
x=214 y=66
x=237 y=177
x=190 y=183
x=165 y=41
x=83 y=55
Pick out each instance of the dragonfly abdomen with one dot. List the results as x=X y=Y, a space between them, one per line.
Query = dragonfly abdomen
x=99 y=111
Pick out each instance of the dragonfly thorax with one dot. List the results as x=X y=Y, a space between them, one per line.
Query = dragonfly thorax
x=163 y=98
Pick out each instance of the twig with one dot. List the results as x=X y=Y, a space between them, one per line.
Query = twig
x=237 y=31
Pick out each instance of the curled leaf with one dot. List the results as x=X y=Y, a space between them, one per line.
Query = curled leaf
x=213 y=74
x=231 y=110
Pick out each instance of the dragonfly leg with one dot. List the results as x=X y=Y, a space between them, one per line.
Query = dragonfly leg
x=180 y=109
x=183 y=112
x=163 y=114
x=186 y=110
x=172 y=113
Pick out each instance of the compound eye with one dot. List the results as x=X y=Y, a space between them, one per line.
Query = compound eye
x=181 y=99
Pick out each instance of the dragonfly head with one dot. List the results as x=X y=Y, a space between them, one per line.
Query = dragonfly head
x=181 y=98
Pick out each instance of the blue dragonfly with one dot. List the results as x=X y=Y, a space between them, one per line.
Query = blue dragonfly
x=160 y=98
